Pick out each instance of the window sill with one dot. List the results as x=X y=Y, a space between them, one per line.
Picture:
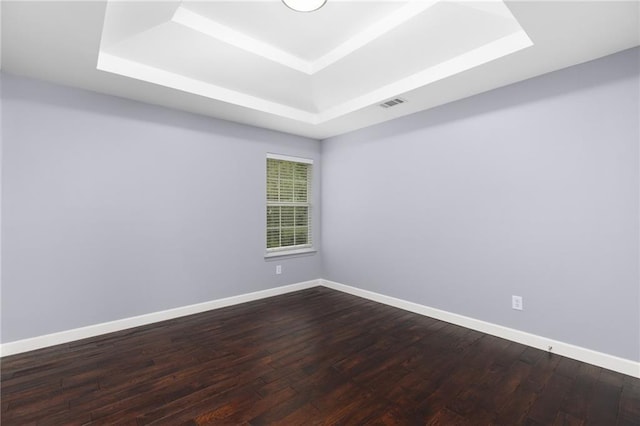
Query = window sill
x=283 y=253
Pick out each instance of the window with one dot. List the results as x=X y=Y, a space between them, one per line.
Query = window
x=288 y=204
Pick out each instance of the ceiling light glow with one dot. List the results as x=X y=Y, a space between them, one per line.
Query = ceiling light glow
x=304 y=5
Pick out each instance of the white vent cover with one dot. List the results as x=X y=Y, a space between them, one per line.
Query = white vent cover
x=392 y=102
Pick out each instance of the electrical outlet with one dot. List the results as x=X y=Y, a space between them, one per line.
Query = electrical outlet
x=278 y=269
x=516 y=302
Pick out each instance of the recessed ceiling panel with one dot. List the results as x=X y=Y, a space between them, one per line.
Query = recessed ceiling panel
x=180 y=50
x=305 y=35
x=311 y=67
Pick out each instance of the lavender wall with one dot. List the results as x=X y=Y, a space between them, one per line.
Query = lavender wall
x=113 y=208
x=529 y=190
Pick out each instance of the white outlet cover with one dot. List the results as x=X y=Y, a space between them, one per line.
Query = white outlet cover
x=516 y=302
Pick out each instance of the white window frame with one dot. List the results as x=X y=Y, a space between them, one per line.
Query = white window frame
x=298 y=249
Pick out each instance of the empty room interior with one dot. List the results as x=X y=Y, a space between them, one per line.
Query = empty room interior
x=302 y=212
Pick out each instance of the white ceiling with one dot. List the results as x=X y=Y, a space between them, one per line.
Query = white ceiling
x=314 y=74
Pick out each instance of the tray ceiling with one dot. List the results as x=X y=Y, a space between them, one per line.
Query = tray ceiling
x=314 y=74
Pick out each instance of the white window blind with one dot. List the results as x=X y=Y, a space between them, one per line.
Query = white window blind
x=288 y=203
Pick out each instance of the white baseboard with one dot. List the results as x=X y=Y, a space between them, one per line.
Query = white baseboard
x=625 y=366
x=610 y=362
x=19 y=346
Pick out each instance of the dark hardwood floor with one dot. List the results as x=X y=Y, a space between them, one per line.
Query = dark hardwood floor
x=313 y=357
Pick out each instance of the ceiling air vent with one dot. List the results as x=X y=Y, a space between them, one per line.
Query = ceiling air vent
x=392 y=102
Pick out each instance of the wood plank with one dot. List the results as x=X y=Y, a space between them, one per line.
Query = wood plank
x=629 y=412
x=312 y=357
